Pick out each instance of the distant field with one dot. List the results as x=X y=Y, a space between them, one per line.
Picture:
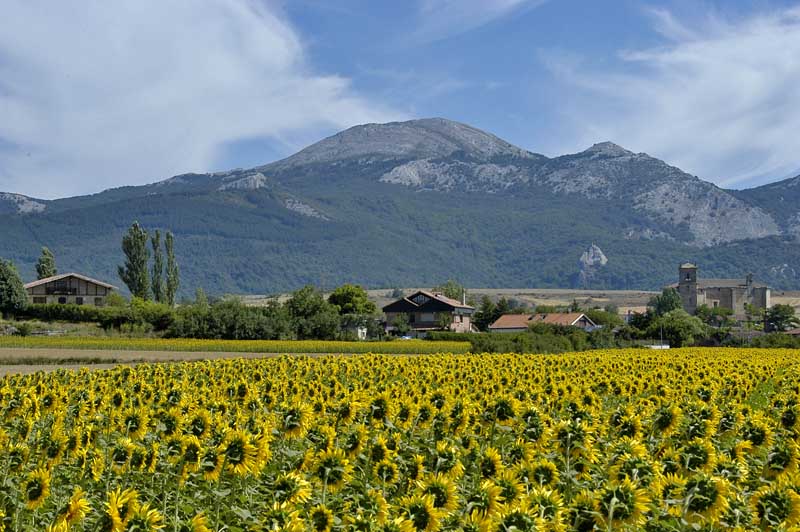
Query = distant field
x=232 y=346
x=624 y=300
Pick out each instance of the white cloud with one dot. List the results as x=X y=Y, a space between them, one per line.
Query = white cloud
x=440 y=19
x=97 y=94
x=719 y=99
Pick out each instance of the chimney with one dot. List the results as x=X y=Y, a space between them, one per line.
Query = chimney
x=464 y=297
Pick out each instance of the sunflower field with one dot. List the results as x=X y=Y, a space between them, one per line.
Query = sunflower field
x=232 y=346
x=694 y=439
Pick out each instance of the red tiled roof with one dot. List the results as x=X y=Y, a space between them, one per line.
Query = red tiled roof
x=522 y=321
x=794 y=332
x=511 y=321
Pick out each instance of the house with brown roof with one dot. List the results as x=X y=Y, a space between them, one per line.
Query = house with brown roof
x=514 y=323
x=69 y=289
x=430 y=311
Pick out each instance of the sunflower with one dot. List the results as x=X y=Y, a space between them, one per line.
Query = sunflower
x=415 y=469
x=485 y=499
x=637 y=468
x=135 y=422
x=240 y=455
x=491 y=463
x=757 y=431
x=36 y=488
x=665 y=420
x=295 y=419
x=781 y=459
x=282 y=517
x=419 y=510
x=386 y=471
x=520 y=518
x=776 y=506
x=321 y=519
x=398 y=524
x=373 y=506
x=354 y=441
x=332 y=468
x=442 y=489
x=582 y=512
x=698 y=455
x=573 y=436
x=199 y=523
x=191 y=450
x=542 y=472
x=145 y=519
x=518 y=453
x=446 y=460
x=548 y=505
x=199 y=423
x=669 y=489
x=211 y=464
x=706 y=497
x=622 y=503
x=120 y=507
x=512 y=488
x=291 y=488
x=76 y=509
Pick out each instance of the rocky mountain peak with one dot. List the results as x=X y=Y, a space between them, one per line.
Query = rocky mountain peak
x=427 y=138
x=607 y=149
x=17 y=203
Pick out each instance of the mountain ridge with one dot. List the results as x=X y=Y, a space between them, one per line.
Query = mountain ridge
x=358 y=200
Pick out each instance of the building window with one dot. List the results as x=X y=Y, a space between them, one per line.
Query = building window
x=79 y=301
x=39 y=300
x=62 y=300
x=98 y=302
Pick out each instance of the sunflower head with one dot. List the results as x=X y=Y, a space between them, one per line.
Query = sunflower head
x=622 y=503
x=36 y=488
x=776 y=506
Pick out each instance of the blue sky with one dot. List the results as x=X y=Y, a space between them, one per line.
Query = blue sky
x=113 y=93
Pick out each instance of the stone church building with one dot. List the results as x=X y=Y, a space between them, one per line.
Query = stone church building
x=732 y=294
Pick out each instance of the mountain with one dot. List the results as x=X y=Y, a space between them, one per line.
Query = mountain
x=418 y=202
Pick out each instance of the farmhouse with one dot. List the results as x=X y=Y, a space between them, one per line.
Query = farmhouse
x=429 y=311
x=69 y=288
x=512 y=323
x=731 y=294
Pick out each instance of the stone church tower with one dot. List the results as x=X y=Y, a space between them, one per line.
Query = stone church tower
x=687 y=286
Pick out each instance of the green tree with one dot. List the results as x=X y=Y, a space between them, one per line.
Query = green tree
x=46 y=265
x=444 y=320
x=715 y=316
x=400 y=324
x=781 y=318
x=13 y=298
x=678 y=328
x=157 y=274
x=452 y=289
x=608 y=320
x=313 y=317
x=486 y=314
x=666 y=302
x=173 y=272
x=134 y=273
x=352 y=299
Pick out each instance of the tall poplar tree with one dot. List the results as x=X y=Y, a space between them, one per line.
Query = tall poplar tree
x=157 y=278
x=134 y=272
x=12 y=292
x=46 y=265
x=173 y=273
